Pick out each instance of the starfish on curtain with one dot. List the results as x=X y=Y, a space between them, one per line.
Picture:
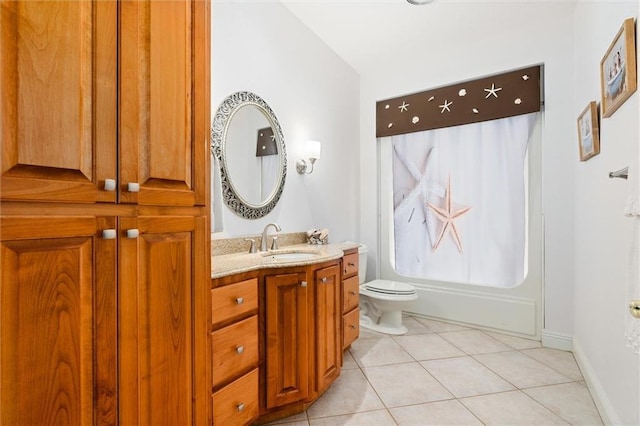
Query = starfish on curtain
x=425 y=188
x=447 y=215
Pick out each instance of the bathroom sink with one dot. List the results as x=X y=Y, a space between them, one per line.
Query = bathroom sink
x=294 y=255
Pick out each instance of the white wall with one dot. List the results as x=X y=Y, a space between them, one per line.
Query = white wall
x=601 y=233
x=548 y=43
x=261 y=47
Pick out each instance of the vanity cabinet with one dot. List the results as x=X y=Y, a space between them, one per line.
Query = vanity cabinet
x=235 y=351
x=104 y=236
x=288 y=337
x=303 y=343
x=327 y=316
x=350 y=298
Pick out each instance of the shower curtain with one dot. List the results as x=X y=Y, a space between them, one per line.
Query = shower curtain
x=460 y=202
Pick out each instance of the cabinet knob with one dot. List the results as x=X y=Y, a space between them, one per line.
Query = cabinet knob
x=109 y=184
x=239 y=300
x=353 y=327
x=133 y=233
x=351 y=264
x=240 y=407
x=133 y=187
x=109 y=234
x=240 y=349
x=353 y=293
x=323 y=280
x=303 y=284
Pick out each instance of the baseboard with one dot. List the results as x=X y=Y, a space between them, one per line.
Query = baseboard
x=553 y=340
x=604 y=406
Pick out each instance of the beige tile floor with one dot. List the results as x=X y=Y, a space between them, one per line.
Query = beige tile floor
x=445 y=374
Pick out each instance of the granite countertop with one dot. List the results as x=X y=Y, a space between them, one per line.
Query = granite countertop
x=233 y=263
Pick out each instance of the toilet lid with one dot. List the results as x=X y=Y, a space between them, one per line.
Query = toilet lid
x=390 y=287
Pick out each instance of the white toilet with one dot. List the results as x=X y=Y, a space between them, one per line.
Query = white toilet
x=382 y=301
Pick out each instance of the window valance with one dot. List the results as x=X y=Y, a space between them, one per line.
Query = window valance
x=488 y=98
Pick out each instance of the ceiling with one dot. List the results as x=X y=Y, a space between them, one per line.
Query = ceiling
x=366 y=32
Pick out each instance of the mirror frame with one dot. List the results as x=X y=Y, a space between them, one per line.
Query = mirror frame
x=219 y=127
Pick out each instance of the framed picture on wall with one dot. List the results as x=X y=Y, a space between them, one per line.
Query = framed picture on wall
x=618 y=69
x=588 y=132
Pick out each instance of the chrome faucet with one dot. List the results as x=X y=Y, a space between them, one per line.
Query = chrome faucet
x=263 y=243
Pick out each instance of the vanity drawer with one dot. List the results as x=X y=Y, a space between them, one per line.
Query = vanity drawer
x=237 y=404
x=233 y=301
x=234 y=349
x=350 y=264
x=350 y=327
x=350 y=293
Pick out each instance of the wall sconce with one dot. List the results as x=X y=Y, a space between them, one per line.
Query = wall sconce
x=312 y=152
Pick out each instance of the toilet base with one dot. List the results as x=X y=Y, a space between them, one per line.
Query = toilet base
x=389 y=323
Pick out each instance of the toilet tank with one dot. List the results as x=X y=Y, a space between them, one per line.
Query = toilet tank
x=362 y=263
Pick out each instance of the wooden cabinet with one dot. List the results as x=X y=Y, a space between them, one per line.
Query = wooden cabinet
x=57 y=321
x=160 y=121
x=288 y=322
x=327 y=318
x=60 y=316
x=297 y=332
x=59 y=100
x=158 y=314
x=122 y=100
x=105 y=291
x=350 y=298
x=235 y=351
x=303 y=340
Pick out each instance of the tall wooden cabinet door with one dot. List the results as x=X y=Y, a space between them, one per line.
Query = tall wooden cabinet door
x=58 y=93
x=327 y=317
x=287 y=338
x=163 y=137
x=163 y=289
x=58 y=321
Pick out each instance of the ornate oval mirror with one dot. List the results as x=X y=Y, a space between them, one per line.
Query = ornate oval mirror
x=248 y=143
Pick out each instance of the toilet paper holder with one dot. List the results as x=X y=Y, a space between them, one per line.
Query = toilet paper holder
x=622 y=173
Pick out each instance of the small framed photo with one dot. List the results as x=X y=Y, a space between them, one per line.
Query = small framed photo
x=618 y=69
x=588 y=132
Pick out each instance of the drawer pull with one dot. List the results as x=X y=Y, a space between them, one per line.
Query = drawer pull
x=351 y=264
x=240 y=407
x=109 y=184
x=303 y=284
x=109 y=234
x=239 y=300
x=240 y=349
x=323 y=280
x=133 y=187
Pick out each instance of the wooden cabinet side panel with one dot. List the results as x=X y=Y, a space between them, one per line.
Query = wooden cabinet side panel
x=287 y=344
x=157 y=289
x=202 y=101
x=57 y=327
x=58 y=81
